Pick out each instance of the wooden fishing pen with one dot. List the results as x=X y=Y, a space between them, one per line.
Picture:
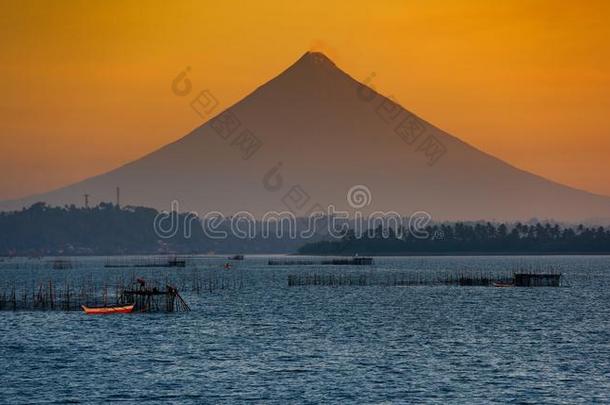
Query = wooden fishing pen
x=66 y=297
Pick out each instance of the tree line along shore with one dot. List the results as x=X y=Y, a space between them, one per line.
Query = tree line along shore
x=106 y=229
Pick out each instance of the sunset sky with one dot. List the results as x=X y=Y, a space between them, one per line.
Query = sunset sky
x=86 y=85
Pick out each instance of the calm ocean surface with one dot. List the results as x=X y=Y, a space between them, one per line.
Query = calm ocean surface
x=259 y=340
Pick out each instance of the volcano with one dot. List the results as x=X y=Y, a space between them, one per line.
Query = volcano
x=314 y=136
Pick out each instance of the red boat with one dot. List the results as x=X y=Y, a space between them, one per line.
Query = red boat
x=124 y=309
x=503 y=284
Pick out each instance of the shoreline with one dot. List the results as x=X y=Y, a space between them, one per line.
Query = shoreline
x=361 y=254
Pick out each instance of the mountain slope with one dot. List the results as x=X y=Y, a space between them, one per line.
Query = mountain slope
x=326 y=132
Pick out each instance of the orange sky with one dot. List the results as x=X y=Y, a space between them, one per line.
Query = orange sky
x=86 y=84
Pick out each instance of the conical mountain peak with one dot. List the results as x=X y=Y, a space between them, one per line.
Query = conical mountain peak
x=316 y=58
x=314 y=61
x=311 y=134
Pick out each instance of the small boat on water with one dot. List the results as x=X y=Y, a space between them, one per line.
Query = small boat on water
x=123 y=309
x=503 y=284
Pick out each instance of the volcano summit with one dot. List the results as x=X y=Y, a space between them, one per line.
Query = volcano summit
x=310 y=135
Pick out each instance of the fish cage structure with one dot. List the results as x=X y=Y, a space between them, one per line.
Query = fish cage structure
x=49 y=296
x=537 y=279
x=407 y=278
x=173 y=261
x=61 y=264
x=352 y=261
x=347 y=261
x=152 y=299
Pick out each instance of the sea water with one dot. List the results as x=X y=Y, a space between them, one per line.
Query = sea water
x=255 y=339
